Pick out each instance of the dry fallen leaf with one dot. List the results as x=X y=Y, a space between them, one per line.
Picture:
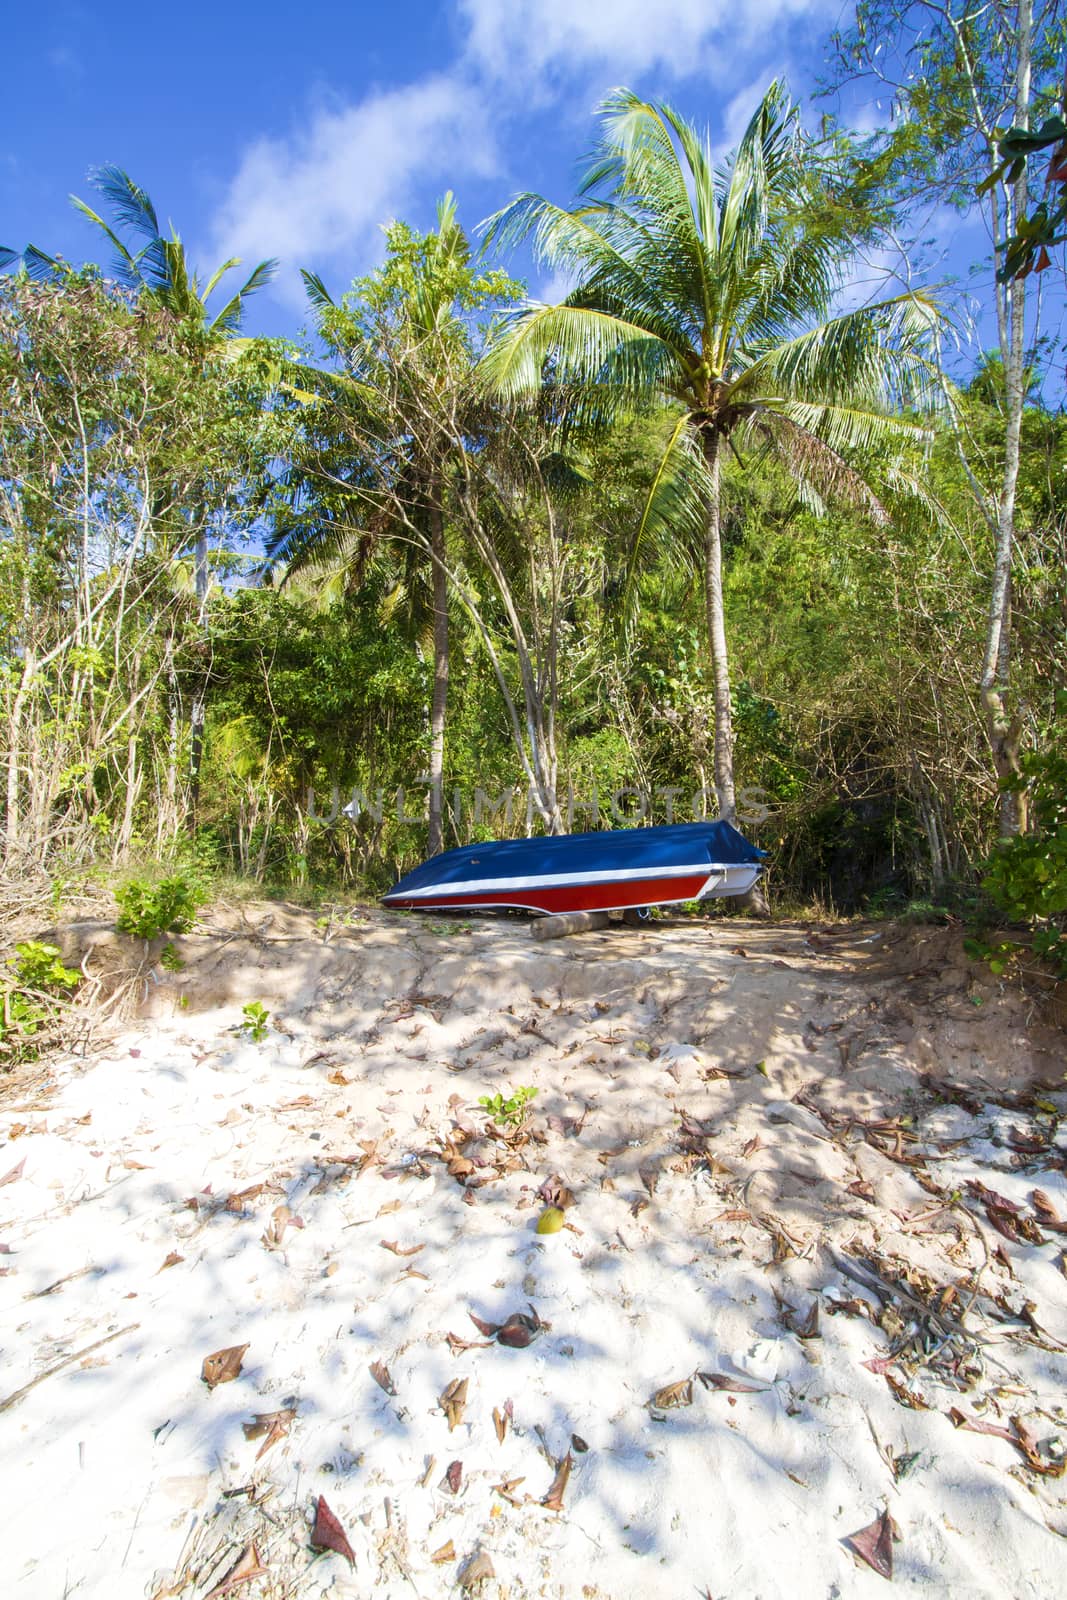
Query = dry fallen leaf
x=447 y=1552
x=874 y=1544
x=398 y=1250
x=479 y=1569
x=673 y=1395
x=553 y=1500
x=328 y=1534
x=507 y=1489
x=554 y=1192
x=245 y=1568
x=453 y=1477
x=15 y=1172
x=723 y=1380
x=222 y=1366
x=518 y=1332
x=453 y=1401
x=380 y=1373
x=502 y=1420
x=173 y=1260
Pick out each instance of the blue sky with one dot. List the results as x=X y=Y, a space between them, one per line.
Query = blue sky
x=296 y=129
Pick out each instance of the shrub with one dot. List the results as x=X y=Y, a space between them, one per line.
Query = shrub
x=168 y=906
x=37 y=978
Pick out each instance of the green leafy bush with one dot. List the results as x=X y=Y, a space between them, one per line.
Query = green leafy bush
x=167 y=906
x=36 y=979
x=1026 y=877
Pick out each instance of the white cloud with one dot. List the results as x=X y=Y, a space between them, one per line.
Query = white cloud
x=321 y=195
x=508 y=37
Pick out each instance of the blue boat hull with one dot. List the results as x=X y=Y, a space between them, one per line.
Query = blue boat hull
x=622 y=870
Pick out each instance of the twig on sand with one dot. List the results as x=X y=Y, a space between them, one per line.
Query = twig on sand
x=20 y=1394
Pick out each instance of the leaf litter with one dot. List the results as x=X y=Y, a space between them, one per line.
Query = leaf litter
x=938 y=1250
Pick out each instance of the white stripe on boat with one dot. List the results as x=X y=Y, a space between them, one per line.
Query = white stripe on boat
x=564 y=880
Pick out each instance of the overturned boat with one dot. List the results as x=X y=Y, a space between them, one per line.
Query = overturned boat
x=620 y=871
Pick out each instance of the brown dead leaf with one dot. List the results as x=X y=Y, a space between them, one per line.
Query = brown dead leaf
x=553 y=1500
x=479 y=1569
x=874 y=1545
x=399 y=1250
x=649 y=1175
x=723 y=1380
x=639 y=1205
x=15 y=1172
x=673 y=1395
x=245 y=1568
x=507 y=1489
x=453 y=1401
x=458 y=1345
x=390 y=1205
x=754 y=1144
x=380 y=1373
x=1026 y=1441
x=502 y=1420
x=338 y=1077
x=1046 y=1212
x=328 y=1534
x=453 y=1477
x=446 y=1552
x=271 y=1426
x=173 y=1260
x=905 y=1396
x=996 y=1430
x=554 y=1192
x=517 y=1333
x=809 y=1328
x=222 y=1366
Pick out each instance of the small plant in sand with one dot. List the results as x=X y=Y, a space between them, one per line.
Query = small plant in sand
x=36 y=980
x=511 y=1112
x=148 y=909
x=253 y=1022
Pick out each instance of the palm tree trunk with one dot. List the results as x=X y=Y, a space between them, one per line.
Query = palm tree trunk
x=716 y=620
x=439 y=704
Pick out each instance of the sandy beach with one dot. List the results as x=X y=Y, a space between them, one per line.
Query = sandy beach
x=802 y=1332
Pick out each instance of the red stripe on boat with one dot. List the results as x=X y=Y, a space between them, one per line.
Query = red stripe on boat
x=610 y=896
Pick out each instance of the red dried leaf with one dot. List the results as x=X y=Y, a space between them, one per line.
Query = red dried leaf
x=874 y=1545
x=328 y=1534
x=453 y=1477
x=554 y=1192
x=222 y=1366
x=879 y=1364
x=173 y=1260
x=960 y=1419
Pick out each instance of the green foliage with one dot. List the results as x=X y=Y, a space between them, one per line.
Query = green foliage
x=512 y=1111
x=253 y=1022
x=170 y=960
x=1026 y=877
x=169 y=905
x=37 y=979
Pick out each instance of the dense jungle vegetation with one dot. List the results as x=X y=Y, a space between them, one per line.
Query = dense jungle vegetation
x=710 y=527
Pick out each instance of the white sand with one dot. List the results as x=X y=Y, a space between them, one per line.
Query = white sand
x=114 y=1467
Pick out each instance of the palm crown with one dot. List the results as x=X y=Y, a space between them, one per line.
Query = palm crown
x=712 y=288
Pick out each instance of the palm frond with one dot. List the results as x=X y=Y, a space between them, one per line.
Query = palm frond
x=675 y=506
x=129 y=204
x=124 y=267
x=583 y=346
x=816 y=466
x=317 y=291
x=8 y=257
x=219 y=273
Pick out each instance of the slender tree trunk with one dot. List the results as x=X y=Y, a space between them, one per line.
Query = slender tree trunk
x=1003 y=728
x=439 y=704
x=12 y=819
x=716 y=620
x=198 y=708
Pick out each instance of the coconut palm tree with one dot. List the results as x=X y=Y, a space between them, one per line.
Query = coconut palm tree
x=390 y=425
x=711 y=289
